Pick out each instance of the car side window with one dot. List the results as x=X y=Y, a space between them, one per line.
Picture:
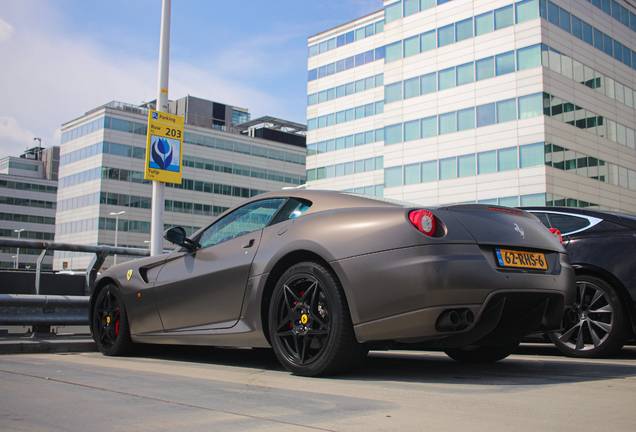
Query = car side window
x=293 y=208
x=244 y=220
x=566 y=223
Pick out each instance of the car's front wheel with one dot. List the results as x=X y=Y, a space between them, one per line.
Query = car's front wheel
x=598 y=324
x=481 y=354
x=110 y=323
x=309 y=323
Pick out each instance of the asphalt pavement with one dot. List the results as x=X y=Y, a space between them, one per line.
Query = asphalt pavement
x=175 y=388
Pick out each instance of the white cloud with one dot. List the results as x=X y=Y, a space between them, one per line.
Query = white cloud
x=13 y=137
x=6 y=31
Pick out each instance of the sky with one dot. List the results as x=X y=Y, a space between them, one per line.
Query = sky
x=62 y=58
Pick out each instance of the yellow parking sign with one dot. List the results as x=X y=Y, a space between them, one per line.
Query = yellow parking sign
x=164 y=147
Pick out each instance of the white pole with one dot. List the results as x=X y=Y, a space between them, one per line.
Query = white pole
x=17 y=255
x=158 y=188
x=116 y=231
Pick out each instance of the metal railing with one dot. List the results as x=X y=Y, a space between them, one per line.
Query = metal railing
x=43 y=311
x=101 y=253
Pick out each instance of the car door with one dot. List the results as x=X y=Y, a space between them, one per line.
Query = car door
x=204 y=288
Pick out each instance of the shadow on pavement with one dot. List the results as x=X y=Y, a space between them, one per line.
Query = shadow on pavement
x=531 y=365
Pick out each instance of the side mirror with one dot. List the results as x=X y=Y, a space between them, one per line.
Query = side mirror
x=177 y=235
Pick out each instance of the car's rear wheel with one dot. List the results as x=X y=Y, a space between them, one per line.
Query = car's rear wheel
x=481 y=354
x=597 y=325
x=110 y=323
x=309 y=323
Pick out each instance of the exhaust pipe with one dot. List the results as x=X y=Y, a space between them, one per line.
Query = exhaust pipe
x=448 y=321
x=454 y=320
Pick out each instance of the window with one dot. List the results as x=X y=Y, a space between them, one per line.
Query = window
x=411 y=130
x=393 y=177
x=411 y=46
x=465 y=73
x=464 y=29
x=466 y=119
x=506 y=110
x=487 y=162
x=393 y=52
x=509 y=201
x=503 y=17
x=249 y=218
x=529 y=57
x=412 y=174
x=411 y=7
x=448 y=168
x=486 y=115
x=393 y=134
x=393 y=12
x=564 y=20
x=527 y=10
x=447 y=123
x=507 y=159
x=446 y=35
x=428 y=83
x=429 y=171
x=429 y=127
x=428 y=41
x=411 y=87
x=466 y=165
x=484 y=24
x=505 y=63
x=485 y=68
x=553 y=13
x=531 y=155
x=530 y=106
x=446 y=78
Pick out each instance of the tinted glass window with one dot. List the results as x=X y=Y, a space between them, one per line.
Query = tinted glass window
x=249 y=218
x=567 y=224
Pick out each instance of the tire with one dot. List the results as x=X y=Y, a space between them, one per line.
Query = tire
x=598 y=325
x=111 y=331
x=309 y=323
x=481 y=354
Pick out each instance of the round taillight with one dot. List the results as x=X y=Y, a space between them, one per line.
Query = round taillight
x=424 y=221
x=557 y=234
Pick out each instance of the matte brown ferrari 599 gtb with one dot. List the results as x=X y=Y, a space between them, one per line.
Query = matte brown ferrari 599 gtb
x=322 y=277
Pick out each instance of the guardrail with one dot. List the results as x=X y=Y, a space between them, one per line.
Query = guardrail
x=101 y=253
x=43 y=311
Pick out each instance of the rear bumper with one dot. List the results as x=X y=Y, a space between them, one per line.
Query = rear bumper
x=399 y=294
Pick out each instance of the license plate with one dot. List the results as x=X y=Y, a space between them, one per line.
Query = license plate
x=510 y=258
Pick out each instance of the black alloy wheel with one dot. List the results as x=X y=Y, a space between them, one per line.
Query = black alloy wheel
x=110 y=323
x=309 y=323
x=597 y=325
x=481 y=354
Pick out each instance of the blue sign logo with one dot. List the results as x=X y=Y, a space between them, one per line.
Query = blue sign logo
x=164 y=154
x=155 y=116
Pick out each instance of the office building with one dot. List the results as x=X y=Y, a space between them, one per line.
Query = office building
x=28 y=195
x=227 y=157
x=502 y=102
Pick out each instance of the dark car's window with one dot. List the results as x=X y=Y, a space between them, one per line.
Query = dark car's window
x=292 y=209
x=249 y=218
x=566 y=223
x=543 y=218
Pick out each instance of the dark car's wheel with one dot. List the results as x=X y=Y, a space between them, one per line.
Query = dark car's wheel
x=309 y=323
x=481 y=354
x=110 y=323
x=598 y=324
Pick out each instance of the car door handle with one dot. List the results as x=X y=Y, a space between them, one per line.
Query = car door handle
x=249 y=244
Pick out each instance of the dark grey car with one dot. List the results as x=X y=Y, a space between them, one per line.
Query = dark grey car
x=602 y=250
x=323 y=276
